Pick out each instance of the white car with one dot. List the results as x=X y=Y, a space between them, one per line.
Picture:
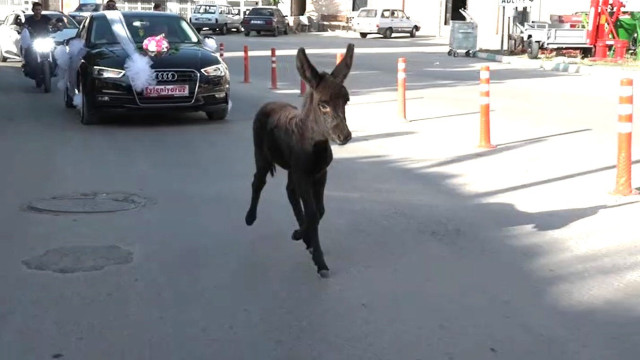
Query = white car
x=12 y=25
x=215 y=18
x=385 y=22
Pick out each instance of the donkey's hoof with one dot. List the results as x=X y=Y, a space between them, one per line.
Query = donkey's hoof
x=297 y=235
x=324 y=274
x=250 y=219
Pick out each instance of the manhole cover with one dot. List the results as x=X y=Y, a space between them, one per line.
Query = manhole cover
x=81 y=258
x=88 y=203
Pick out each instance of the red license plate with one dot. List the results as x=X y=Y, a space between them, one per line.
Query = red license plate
x=166 y=90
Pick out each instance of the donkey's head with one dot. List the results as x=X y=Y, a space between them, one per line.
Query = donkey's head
x=326 y=104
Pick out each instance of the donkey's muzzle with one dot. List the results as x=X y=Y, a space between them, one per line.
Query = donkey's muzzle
x=344 y=139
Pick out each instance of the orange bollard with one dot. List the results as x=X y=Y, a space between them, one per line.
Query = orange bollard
x=222 y=51
x=485 y=121
x=339 y=57
x=625 y=127
x=274 y=73
x=303 y=87
x=402 y=87
x=246 y=64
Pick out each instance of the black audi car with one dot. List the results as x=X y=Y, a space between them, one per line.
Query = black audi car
x=188 y=77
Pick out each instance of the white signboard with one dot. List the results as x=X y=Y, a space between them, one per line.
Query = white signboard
x=514 y=3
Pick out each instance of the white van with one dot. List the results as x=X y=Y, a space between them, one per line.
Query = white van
x=385 y=22
x=215 y=18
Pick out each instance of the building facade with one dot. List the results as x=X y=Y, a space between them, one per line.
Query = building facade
x=435 y=16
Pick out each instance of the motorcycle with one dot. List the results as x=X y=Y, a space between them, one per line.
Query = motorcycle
x=44 y=66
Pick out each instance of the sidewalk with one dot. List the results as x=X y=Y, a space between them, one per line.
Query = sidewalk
x=561 y=64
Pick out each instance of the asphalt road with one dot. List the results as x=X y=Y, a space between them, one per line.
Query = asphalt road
x=438 y=250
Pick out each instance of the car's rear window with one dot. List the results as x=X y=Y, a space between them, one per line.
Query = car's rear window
x=260 y=12
x=88 y=8
x=205 y=9
x=369 y=13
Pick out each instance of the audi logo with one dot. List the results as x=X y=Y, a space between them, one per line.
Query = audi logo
x=166 y=76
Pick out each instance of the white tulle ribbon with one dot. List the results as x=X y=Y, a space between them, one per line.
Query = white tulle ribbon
x=25 y=39
x=68 y=59
x=137 y=66
x=210 y=44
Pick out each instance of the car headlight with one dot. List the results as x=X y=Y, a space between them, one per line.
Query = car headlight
x=103 y=72
x=44 y=44
x=215 y=70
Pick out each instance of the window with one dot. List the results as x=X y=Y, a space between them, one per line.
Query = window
x=261 y=12
x=101 y=32
x=369 y=13
x=88 y=8
x=386 y=14
x=175 y=29
x=205 y=9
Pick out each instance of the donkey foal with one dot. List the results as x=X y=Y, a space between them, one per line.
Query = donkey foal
x=298 y=141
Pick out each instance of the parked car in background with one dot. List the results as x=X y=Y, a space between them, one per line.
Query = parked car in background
x=12 y=26
x=214 y=17
x=265 y=18
x=189 y=77
x=384 y=22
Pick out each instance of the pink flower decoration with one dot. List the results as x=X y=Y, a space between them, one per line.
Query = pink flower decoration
x=156 y=44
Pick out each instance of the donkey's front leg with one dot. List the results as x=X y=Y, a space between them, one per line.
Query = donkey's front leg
x=259 y=180
x=310 y=228
x=294 y=200
x=318 y=192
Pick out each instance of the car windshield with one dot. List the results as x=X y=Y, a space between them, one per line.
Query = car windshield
x=369 y=13
x=204 y=9
x=65 y=21
x=174 y=28
x=88 y=8
x=261 y=12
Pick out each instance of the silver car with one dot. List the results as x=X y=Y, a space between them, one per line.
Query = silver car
x=12 y=26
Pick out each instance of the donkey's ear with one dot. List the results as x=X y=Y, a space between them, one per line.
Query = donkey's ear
x=342 y=69
x=307 y=71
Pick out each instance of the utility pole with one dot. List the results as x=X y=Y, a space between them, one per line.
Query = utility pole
x=402 y=5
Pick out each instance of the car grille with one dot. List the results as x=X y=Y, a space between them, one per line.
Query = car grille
x=173 y=77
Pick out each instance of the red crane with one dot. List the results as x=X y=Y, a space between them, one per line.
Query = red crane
x=601 y=14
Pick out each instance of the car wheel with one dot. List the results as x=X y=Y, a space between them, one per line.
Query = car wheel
x=258 y=32
x=224 y=29
x=387 y=33
x=68 y=100
x=363 y=35
x=218 y=114
x=247 y=33
x=413 y=32
x=46 y=76
x=2 y=57
x=198 y=30
x=286 y=30
x=87 y=113
x=276 y=32
x=533 y=49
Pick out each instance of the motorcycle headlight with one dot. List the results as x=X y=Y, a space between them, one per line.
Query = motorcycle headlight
x=44 y=44
x=215 y=70
x=103 y=72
